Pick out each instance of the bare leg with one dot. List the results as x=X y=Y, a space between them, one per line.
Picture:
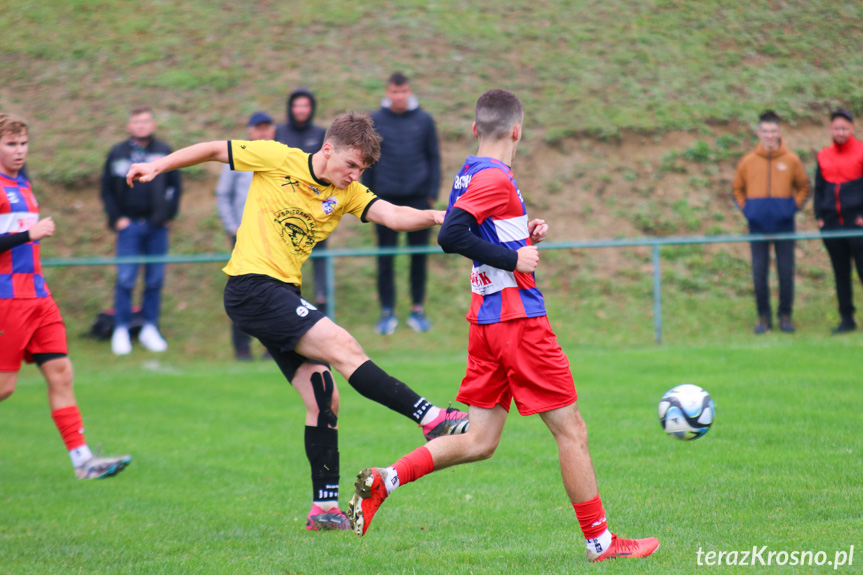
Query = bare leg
x=8 y=379
x=576 y=467
x=480 y=441
x=331 y=343
x=59 y=375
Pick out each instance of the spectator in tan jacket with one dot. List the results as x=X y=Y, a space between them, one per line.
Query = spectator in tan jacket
x=770 y=186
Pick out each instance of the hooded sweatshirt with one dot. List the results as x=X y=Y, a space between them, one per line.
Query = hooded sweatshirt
x=770 y=186
x=303 y=135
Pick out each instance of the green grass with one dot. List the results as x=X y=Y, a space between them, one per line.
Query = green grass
x=219 y=482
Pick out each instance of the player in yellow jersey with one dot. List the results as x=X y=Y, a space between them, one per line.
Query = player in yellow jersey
x=296 y=200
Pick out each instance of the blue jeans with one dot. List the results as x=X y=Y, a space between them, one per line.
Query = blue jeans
x=140 y=239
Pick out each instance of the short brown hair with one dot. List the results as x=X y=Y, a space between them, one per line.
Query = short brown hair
x=398 y=79
x=12 y=125
x=355 y=130
x=497 y=111
x=141 y=110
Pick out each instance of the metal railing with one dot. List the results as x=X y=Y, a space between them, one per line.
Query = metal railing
x=331 y=254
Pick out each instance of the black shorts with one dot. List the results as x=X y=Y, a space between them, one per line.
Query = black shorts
x=273 y=312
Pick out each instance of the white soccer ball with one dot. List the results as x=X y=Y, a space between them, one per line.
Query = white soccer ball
x=686 y=412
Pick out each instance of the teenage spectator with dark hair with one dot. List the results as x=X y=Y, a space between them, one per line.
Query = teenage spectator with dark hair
x=140 y=217
x=31 y=327
x=300 y=131
x=231 y=193
x=408 y=174
x=838 y=203
x=770 y=186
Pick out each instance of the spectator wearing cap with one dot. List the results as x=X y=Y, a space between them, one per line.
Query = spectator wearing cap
x=300 y=131
x=140 y=216
x=838 y=204
x=231 y=192
x=770 y=186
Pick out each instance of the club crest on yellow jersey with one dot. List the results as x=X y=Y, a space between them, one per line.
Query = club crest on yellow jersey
x=329 y=205
x=297 y=228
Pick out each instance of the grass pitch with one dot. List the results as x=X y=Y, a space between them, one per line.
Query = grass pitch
x=220 y=483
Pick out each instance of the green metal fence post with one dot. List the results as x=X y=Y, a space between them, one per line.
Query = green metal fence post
x=657 y=294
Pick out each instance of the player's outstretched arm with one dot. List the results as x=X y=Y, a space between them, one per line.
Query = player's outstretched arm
x=183 y=158
x=403 y=218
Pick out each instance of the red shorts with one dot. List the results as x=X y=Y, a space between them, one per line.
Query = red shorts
x=29 y=326
x=518 y=359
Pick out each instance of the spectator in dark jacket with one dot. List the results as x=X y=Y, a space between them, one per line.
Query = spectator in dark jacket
x=140 y=217
x=300 y=131
x=408 y=174
x=838 y=203
x=770 y=186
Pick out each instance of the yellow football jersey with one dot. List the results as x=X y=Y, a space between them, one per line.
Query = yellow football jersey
x=288 y=210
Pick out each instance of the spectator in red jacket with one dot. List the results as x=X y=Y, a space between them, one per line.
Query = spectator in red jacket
x=838 y=203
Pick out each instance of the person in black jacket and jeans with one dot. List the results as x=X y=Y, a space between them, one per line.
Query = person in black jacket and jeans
x=140 y=217
x=408 y=174
x=300 y=131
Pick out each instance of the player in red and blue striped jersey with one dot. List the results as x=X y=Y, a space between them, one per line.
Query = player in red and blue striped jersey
x=498 y=293
x=31 y=328
x=512 y=352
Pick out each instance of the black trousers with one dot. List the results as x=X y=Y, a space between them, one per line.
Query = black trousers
x=319 y=266
x=784 y=250
x=842 y=251
x=386 y=277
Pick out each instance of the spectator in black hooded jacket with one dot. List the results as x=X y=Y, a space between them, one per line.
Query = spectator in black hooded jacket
x=301 y=132
x=408 y=174
x=140 y=217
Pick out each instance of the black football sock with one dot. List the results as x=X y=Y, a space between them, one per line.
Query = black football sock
x=374 y=383
x=322 y=449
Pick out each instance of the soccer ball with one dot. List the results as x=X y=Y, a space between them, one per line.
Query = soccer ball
x=686 y=412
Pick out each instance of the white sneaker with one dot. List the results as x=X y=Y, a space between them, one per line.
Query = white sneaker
x=152 y=339
x=121 y=343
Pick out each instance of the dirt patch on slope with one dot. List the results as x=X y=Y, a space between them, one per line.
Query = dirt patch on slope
x=634 y=185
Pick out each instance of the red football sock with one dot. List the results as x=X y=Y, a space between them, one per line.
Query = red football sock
x=414 y=465
x=71 y=427
x=591 y=517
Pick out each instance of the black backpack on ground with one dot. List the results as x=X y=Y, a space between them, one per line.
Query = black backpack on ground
x=103 y=327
